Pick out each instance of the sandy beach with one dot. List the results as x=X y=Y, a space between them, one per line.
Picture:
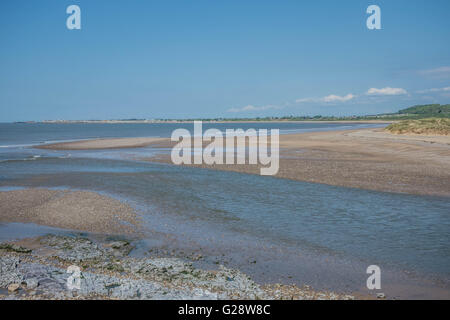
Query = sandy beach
x=366 y=158
x=74 y=210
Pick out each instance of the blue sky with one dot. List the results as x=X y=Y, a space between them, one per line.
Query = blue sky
x=177 y=59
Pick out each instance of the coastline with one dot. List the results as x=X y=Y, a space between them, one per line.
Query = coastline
x=364 y=158
x=296 y=145
x=205 y=121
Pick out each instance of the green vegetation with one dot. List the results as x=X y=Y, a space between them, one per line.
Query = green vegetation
x=431 y=126
x=415 y=112
x=428 y=109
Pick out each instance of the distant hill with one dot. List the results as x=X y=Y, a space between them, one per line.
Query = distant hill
x=428 y=110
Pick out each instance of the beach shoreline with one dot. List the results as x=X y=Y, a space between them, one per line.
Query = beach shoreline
x=365 y=158
x=102 y=144
x=369 y=159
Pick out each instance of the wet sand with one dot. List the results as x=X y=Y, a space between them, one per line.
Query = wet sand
x=74 y=210
x=98 y=144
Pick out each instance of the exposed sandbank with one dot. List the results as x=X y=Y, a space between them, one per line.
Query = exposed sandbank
x=365 y=158
x=115 y=143
x=75 y=210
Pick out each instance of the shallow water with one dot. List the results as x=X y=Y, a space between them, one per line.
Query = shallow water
x=10 y=231
x=408 y=230
x=26 y=134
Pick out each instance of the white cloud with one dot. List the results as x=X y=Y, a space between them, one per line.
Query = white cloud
x=446 y=89
x=335 y=98
x=306 y=100
x=437 y=72
x=253 y=108
x=328 y=99
x=388 y=91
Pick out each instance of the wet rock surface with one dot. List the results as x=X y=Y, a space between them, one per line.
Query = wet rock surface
x=39 y=270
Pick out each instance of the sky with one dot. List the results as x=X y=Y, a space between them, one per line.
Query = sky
x=223 y=58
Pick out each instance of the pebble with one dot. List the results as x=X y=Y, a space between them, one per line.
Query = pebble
x=13 y=287
x=32 y=283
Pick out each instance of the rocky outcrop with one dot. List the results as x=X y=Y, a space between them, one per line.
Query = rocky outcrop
x=107 y=272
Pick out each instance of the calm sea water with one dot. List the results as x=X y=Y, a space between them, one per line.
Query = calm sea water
x=401 y=231
x=20 y=134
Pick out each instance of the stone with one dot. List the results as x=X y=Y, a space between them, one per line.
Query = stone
x=13 y=287
x=32 y=283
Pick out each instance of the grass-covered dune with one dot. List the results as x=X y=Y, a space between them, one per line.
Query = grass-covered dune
x=429 y=126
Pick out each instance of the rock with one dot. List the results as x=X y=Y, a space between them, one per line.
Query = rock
x=14 y=248
x=13 y=287
x=120 y=248
x=9 y=272
x=74 y=249
x=197 y=257
x=32 y=283
x=119 y=244
x=105 y=276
